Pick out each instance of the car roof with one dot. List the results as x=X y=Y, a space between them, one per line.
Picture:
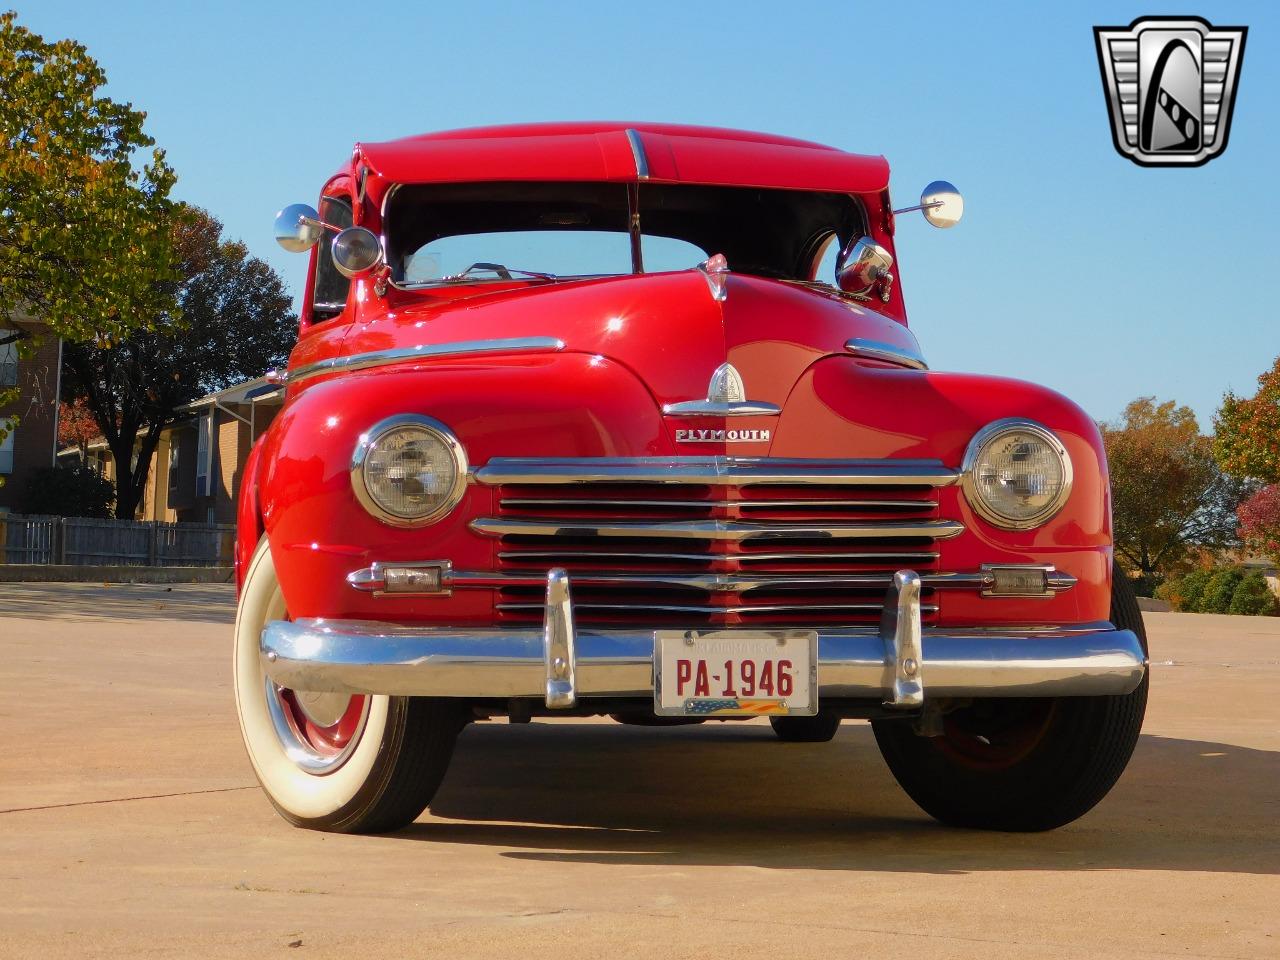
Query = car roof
x=623 y=152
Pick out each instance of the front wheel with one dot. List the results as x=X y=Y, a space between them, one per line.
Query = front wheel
x=1022 y=764
x=347 y=764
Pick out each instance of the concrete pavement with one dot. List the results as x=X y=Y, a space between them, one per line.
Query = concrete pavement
x=130 y=823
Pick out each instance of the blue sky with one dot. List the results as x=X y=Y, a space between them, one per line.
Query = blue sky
x=1073 y=267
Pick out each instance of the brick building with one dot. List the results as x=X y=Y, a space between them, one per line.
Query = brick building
x=33 y=442
x=196 y=469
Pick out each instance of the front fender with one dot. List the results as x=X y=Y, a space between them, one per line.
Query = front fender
x=561 y=405
x=842 y=408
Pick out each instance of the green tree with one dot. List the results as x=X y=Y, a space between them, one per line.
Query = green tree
x=1220 y=589
x=233 y=320
x=1247 y=430
x=1168 y=494
x=1253 y=598
x=84 y=232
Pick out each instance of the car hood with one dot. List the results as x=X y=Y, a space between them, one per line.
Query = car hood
x=667 y=328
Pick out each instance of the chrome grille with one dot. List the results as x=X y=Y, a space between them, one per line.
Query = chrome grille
x=714 y=542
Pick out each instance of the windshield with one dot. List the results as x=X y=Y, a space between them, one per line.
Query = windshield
x=458 y=232
x=556 y=252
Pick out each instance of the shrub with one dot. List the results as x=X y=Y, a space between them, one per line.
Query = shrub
x=1185 y=594
x=1220 y=589
x=72 y=490
x=1171 y=592
x=1253 y=597
x=1193 y=587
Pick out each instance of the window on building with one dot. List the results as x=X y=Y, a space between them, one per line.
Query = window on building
x=8 y=362
x=7 y=427
x=173 y=461
x=203 y=445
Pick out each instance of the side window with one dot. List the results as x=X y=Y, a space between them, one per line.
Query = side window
x=330 y=297
x=825 y=262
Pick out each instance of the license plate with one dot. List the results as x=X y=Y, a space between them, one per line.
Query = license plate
x=730 y=673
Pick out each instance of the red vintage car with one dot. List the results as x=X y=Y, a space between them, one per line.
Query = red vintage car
x=626 y=419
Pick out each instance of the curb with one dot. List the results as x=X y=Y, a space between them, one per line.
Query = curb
x=77 y=573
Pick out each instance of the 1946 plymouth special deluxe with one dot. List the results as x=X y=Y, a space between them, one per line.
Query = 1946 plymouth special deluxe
x=626 y=420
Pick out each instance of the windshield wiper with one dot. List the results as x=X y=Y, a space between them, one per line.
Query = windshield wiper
x=503 y=272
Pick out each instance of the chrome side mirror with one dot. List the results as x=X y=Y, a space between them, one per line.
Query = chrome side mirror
x=863 y=264
x=940 y=203
x=298 y=228
x=356 y=252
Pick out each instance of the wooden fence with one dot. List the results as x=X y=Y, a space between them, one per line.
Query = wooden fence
x=85 y=541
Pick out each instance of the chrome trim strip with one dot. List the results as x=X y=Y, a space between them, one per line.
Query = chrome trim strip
x=425 y=351
x=1058 y=580
x=716 y=471
x=597 y=502
x=718 y=529
x=888 y=352
x=573 y=553
x=637 y=152
x=700 y=609
x=368 y=580
x=368 y=657
x=721 y=408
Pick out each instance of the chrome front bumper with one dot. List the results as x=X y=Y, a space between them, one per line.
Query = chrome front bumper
x=900 y=663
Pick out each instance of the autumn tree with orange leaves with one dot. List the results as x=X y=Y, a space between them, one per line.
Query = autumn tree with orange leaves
x=1247 y=444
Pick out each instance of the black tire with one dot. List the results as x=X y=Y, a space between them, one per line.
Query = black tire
x=819 y=728
x=1022 y=764
x=416 y=748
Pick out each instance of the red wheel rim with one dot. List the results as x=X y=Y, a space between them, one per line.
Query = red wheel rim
x=996 y=736
x=325 y=741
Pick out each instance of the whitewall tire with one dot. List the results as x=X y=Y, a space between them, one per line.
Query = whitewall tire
x=362 y=764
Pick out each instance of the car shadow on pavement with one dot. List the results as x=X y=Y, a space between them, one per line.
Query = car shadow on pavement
x=731 y=795
x=207 y=602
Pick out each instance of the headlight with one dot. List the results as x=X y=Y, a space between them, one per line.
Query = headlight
x=1016 y=474
x=408 y=470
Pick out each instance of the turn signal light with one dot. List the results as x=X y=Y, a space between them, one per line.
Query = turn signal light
x=418 y=579
x=1017 y=582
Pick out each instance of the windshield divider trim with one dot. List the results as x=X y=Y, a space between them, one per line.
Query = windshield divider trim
x=637 y=151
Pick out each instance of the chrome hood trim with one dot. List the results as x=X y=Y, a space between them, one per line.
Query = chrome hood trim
x=424 y=351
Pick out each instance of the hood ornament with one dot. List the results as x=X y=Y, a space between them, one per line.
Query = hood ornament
x=715 y=270
x=726 y=397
